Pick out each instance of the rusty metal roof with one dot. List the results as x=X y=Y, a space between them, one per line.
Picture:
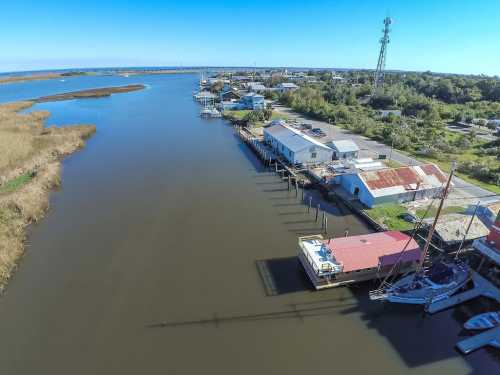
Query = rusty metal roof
x=404 y=178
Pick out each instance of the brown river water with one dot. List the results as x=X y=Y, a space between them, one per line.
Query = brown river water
x=146 y=261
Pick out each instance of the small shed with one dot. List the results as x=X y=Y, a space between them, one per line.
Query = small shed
x=344 y=149
x=451 y=229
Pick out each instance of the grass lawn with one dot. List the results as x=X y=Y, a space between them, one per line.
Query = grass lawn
x=433 y=210
x=241 y=113
x=16 y=183
x=392 y=163
x=388 y=215
x=237 y=114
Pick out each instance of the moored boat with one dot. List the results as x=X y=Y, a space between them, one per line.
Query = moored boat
x=441 y=281
x=483 y=321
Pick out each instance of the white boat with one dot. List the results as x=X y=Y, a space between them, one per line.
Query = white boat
x=483 y=321
x=210 y=113
x=441 y=281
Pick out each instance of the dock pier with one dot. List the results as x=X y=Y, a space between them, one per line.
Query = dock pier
x=482 y=287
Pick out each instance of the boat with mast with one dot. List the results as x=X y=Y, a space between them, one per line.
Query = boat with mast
x=431 y=281
x=209 y=110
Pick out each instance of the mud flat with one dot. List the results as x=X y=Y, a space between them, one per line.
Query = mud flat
x=38 y=77
x=30 y=163
x=89 y=94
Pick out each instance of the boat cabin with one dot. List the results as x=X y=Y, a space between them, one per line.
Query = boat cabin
x=345 y=260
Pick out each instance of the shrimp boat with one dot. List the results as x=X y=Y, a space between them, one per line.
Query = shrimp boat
x=429 y=283
x=483 y=321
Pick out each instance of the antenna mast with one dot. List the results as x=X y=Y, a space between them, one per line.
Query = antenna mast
x=384 y=41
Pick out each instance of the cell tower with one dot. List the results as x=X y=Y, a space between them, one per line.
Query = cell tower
x=384 y=41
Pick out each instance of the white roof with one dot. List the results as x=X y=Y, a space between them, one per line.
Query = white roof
x=288 y=85
x=344 y=145
x=292 y=138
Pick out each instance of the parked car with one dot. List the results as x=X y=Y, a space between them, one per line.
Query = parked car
x=408 y=218
x=307 y=126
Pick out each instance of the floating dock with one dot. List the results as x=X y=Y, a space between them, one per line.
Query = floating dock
x=482 y=287
x=490 y=337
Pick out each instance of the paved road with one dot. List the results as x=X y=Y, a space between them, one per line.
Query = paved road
x=370 y=148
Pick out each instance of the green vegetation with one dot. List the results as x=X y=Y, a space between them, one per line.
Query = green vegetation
x=390 y=215
x=428 y=103
x=251 y=118
x=433 y=210
x=16 y=183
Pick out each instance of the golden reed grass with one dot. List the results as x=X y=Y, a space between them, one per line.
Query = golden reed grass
x=28 y=146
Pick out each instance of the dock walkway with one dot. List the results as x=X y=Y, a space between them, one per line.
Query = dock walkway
x=482 y=287
x=490 y=337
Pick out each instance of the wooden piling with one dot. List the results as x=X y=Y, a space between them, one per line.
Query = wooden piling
x=289 y=185
x=296 y=188
x=323 y=220
x=317 y=212
x=310 y=203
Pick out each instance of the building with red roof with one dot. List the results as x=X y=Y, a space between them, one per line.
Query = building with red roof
x=346 y=260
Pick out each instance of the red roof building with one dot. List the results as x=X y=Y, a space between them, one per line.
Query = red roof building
x=345 y=260
x=373 y=250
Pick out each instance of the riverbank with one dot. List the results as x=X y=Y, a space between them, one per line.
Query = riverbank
x=38 y=77
x=90 y=94
x=30 y=165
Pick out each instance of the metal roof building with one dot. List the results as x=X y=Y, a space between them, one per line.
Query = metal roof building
x=344 y=149
x=391 y=185
x=295 y=146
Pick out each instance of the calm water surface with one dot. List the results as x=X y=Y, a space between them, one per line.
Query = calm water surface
x=146 y=262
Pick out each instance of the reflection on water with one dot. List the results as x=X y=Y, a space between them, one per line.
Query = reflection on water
x=148 y=261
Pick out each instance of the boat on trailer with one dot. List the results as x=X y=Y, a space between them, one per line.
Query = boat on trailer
x=483 y=321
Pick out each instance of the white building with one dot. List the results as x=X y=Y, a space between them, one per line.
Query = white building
x=394 y=185
x=344 y=149
x=284 y=87
x=295 y=146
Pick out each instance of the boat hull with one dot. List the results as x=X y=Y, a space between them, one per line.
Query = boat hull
x=483 y=321
x=410 y=290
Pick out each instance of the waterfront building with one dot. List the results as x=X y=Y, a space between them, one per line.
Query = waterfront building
x=295 y=146
x=255 y=87
x=249 y=101
x=252 y=101
x=286 y=86
x=453 y=228
x=394 y=185
x=345 y=260
x=344 y=149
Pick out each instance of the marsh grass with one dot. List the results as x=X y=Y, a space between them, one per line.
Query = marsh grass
x=30 y=155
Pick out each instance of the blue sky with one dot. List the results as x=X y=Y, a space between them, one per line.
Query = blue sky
x=458 y=36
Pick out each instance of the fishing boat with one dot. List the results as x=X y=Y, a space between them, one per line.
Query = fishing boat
x=483 y=321
x=439 y=282
x=210 y=112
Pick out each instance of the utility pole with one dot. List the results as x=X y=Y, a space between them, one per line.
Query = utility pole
x=384 y=41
